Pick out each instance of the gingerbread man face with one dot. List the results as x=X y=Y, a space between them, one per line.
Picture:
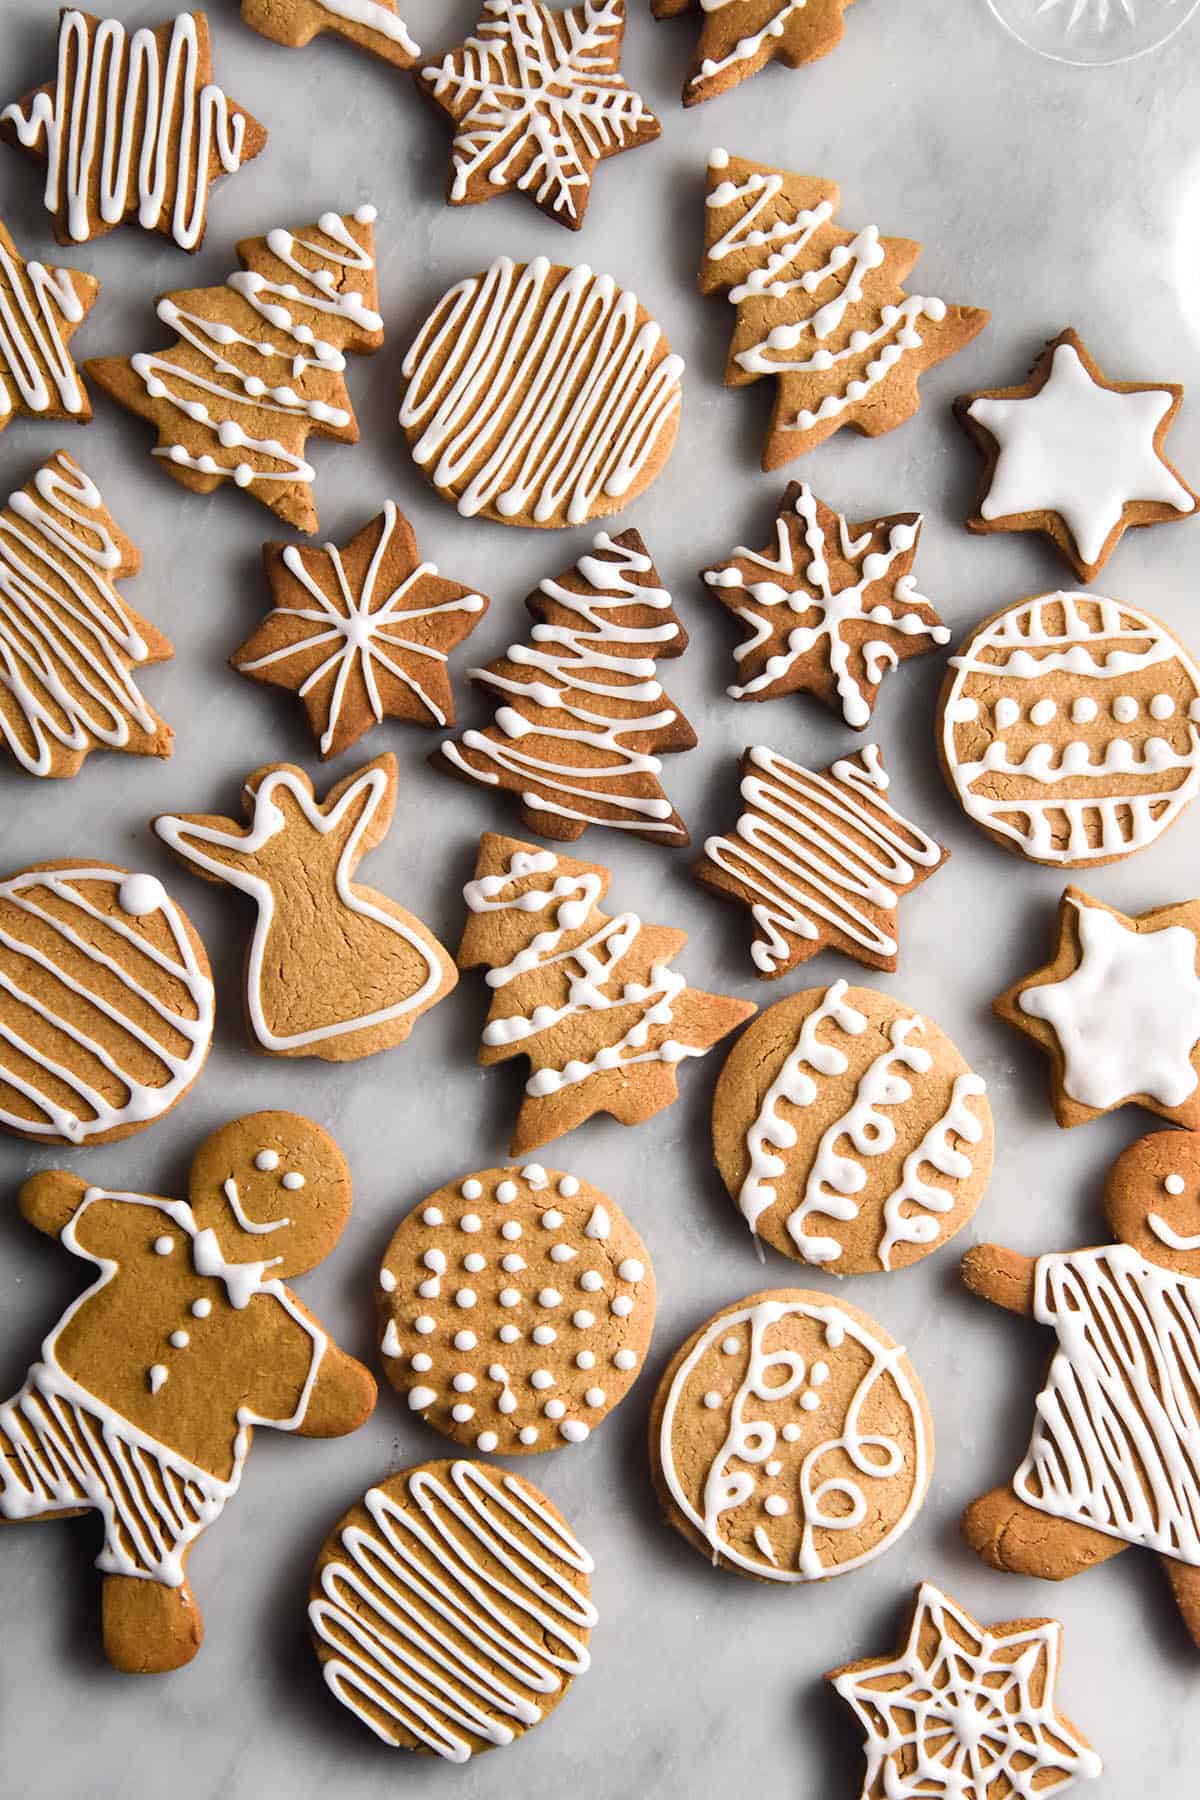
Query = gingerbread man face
x=274 y=1190
x=1153 y=1200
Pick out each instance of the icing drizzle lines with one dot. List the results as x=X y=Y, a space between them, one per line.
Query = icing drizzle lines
x=34 y=303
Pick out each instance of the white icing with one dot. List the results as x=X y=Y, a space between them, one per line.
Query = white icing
x=230 y=1188
x=580 y=671
x=36 y=370
x=1127 y=1017
x=1166 y=1234
x=375 y=18
x=821 y=847
x=1174 y=1184
x=745 y=49
x=1080 y=450
x=359 y=802
x=132 y=963
x=121 y=111
x=529 y=399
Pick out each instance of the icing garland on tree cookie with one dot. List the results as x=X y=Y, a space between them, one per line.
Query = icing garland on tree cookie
x=41 y=308
x=739 y=37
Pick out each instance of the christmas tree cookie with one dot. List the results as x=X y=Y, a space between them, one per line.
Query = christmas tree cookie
x=41 y=309
x=739 y=37
x=582 y=717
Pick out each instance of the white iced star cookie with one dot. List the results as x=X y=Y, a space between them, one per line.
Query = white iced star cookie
x=965 y=1709
x=1117 y=1009
x=1076 y=456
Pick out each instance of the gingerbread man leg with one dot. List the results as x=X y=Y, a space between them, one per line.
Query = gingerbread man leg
x=149 y=1628
x=1010 y=1534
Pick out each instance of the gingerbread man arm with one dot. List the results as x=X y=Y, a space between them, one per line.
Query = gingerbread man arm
x=1004 y=1277
x=342 y=1398
x=50 y=1200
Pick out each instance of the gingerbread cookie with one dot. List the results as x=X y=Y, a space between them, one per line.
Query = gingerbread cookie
x=1076 y=456
x=831 y=606
x=266 y=350
x=790 y=1438
x=822 y=309
x=515 y=1308
x=589 y=997
x=144 y=1402
x=739 y=37
x=106 y=1003
x=68 y=642
x=451 y=1608
x=821 y=859
x=965 y=1709
x=374 y=25
x=41 y=309
x=361 y=633
x=582 y=715
x=1067 y=727
x=537 y=98
x=850 y=1131
x=132 y=127
x=1114 y=1458
x=1117 y=1010
x=333 y=969
x=540 y=394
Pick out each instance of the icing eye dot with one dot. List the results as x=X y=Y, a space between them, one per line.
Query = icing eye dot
x=387 y=1281
x=1083 y=710
x=506 y=1193
x=509 y=1334
x=463 y=1383
x=164 y=1245
x=552 y=1219
x=549 y=1297
x=421 y=1362
x=432 y=1215
x=424 y=1324
x=511 y=1229
x=776 y=1505
x=622 y=1306
x=179 y=1340
x=729 y=1346
x=486 y=1441
x=1125 y=709
x=267 y=1160
x=1173 y=1184
x=591 y=1281
x=292 y=1180
x=631 y=1269
x=470 y=1222
x=543 y=1334
x=574 y=1430
x=474 y=1263
x=201 y=1309
x=568 y=1187
x=554 y=1409
x=462 y=1413
x=712 y=1399
x=528 y=1434
x=465 y=1297
x=624 y=1359
x=595 y=1396
x=810 y=1401
x=790 y=1432
x=586 y=1359
x=541 y=1379
x=583 y=1319
x=465 y=1340
x=471 y=1189
x=509 y=1297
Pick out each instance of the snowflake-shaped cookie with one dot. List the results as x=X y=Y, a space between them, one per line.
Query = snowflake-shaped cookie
x=965 y=1710
x=361 y=632
x=537 y=100
x=831 y=606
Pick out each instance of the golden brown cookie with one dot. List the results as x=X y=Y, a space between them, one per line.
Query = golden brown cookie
x=589 y=997
x=68 y=642
x=106 y=1003
x=516 y=1307
x=258 y=364
x=831 y=606
x=1067 y=727
x=144 y=1401
x=739 y=37
x=822 y=859
x=333 y=969
x=1076 y=456
x=41 y=309
x=537 y=99
x=132 y=127
x=374 y=25
x=540 y=394
x=822 y=309
x=450 y=1608
x=850 y=1131
x=361 y=633
x=968 y=1704
x=582 y=716
x=1116 y=1009
x=790 y=1439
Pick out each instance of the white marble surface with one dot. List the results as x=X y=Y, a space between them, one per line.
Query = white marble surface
x=1052 y=195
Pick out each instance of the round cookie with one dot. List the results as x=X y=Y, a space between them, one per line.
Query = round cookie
x=850 y=1131
x=450 y=1608
x=790 y=1438
x=106 y=1003
x=540 y=394
x=1067 y=727
x=515 y=1309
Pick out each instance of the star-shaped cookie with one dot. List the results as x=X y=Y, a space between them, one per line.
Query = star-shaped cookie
x=831 y=606
x=374 y=25
x=1076 y=456
x=1117 y=1009
x=361 y=632
x=965 y=1710
x=537 y=100
x=41 y=308
x=739 y=37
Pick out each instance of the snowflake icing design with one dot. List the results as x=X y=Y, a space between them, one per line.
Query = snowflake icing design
x=538 y=99
x=964 y=1712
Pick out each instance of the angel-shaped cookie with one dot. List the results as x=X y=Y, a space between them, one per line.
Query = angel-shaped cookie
x=144 y=1401
x=333 y=970
x=1114 y=1458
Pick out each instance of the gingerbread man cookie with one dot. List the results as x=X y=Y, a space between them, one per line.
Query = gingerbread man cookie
x=1114 y=1458
x=41 y=309
x=144 y=1402
x=333 y=969
x=132 y=127
x=516 y=1308
x=1076 y=456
